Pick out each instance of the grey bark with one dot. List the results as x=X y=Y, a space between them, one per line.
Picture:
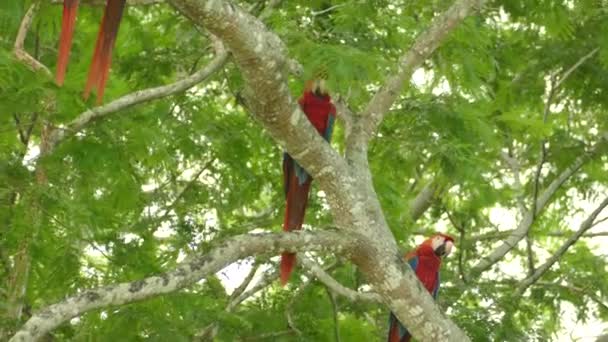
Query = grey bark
x=261 y=57
x=187 y=273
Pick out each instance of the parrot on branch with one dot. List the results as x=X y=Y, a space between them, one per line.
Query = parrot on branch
x=316 y=104
x=100 y=65
x=425 y=261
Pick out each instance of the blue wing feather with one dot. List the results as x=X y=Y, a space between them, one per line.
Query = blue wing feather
x=413 y=263
x=330 y=127
x=300 y=173
x=436 y=289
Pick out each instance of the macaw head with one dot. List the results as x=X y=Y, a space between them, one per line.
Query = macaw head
x=318 y=85
x=439 y=244
x=442 y=244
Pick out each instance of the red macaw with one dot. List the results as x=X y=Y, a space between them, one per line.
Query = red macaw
x=316 y=104
x=100 y=65
x=425 y=261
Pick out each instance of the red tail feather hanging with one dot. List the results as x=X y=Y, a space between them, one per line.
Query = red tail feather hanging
x=295 y=208
x=288 y=262
x=102 y=57
x=70 y=8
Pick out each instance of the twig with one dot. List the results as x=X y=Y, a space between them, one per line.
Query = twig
x=524 y=225
x=576 y=289
x=103 y=2
x=269 y=335
x=24 y=136
x=461 y=240
x=210 y=331
x=334 y=306
x=140 y=96
x=239 y=290
x=586 y=225
x=334 y=285
x=582 y=60
x=555 y=84
x=329 y=9
x=19 y=49
x=513 y=164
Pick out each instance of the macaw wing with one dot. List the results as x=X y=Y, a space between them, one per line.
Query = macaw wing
x=413 y=261
x=290 y=166
x=329 y=128
x=436 y=289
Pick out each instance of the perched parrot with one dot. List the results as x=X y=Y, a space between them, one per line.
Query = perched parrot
x=316 y=104
x=100 y=65
x=425 y=261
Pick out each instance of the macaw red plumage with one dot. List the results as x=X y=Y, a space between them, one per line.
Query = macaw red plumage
x=425 y=261
x=100 y=65
x=316 y=104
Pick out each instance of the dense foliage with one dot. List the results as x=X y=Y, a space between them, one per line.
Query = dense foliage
x=134 y=193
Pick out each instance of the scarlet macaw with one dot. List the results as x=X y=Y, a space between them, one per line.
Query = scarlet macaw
x=425 y=261
x=316 y=104
x=100 y=65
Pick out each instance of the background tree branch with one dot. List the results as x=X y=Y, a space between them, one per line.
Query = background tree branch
x=140 y=96
x=422 y=49
x=19 y=47
x=584 y=227
x=524 y=225
x=187 y=273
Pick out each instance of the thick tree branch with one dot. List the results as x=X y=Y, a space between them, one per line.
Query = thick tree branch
x=140 y=96
x=424 y=46
x=184 y=275
x=584 y=227
x=261 y=57
x=524 y=225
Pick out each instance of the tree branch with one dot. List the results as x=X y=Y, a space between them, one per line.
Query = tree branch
x=335 y=286
x=261 y=57
x=524 y=225
x=576 y=289
x=335 y=310
x=61 y=133
x=584 y=227
x=422 y=202
x=210 y=331
x=184 y=275
x=423 y=47
x=103 y=2
x=19 y=47
x=555 y=84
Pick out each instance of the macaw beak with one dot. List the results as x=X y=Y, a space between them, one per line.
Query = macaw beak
x=444 y=249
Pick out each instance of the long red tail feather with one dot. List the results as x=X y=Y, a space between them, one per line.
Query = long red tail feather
x=295 y=209
x=288 y=262
x=102 y=57
x=70 y=8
